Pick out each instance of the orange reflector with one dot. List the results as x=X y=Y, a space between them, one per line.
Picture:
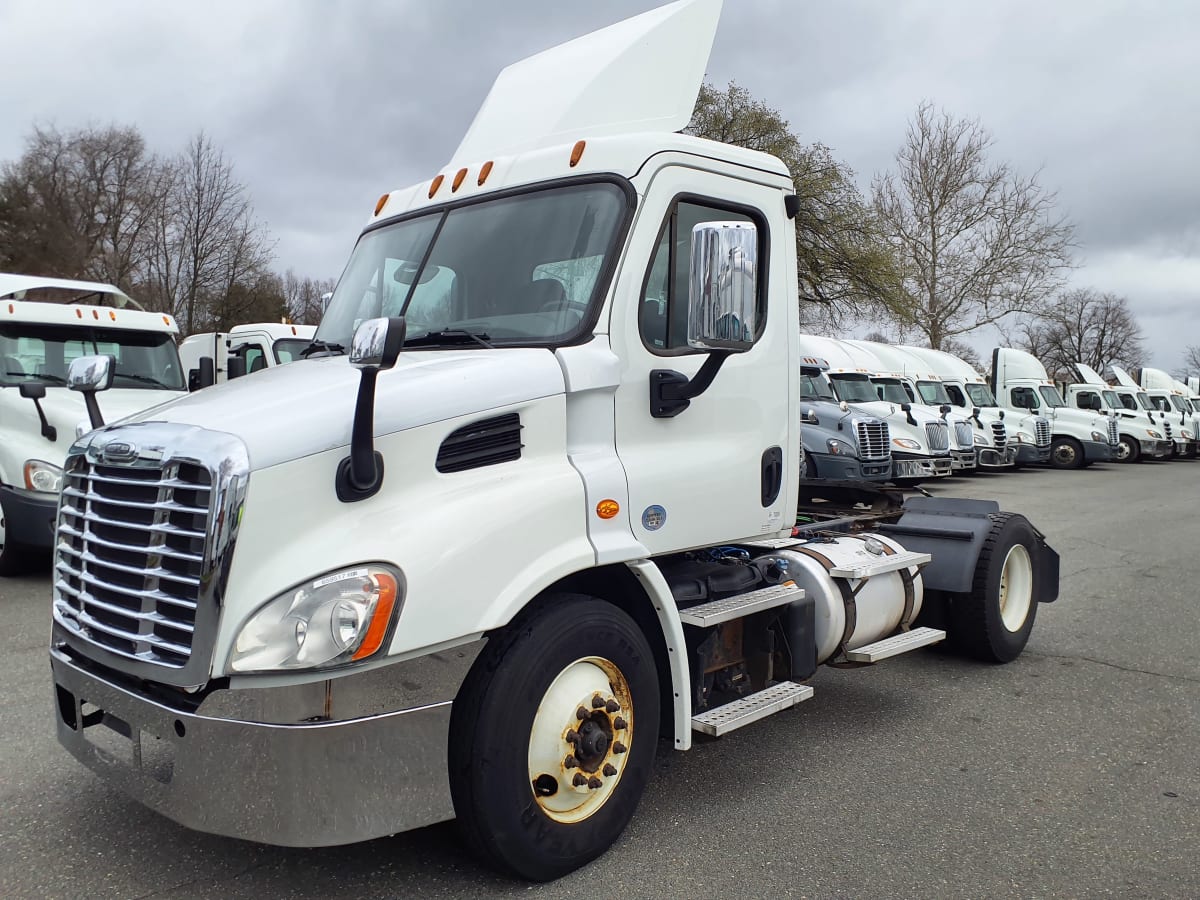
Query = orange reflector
x=437 y=183
x=79 y=313
x=381 y=618
x=485 y=172
x=166 y=321
x=458 y=180
x=381 y=203
x=96 y=314
x=606 y=509
x=11 y=308
x=577 y=153
x=293 y=329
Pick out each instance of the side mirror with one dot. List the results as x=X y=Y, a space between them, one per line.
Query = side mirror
x=376 y=346
x=808 y=417
x=207 y=373
x=723 y=286
x=235 y=366
x=905 y=407
x=88 y=375
x=36 y=391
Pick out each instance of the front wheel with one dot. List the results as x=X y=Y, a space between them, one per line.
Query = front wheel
x=1128 y=450
x=552 y=738
x=1066 y=453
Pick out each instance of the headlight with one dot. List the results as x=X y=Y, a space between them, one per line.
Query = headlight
x=906 y=443
x=1187 y=434
x=1097 y=436
x=1154 y=434
x=43 y=477
x=980 y=440
x=839 y=448
x=335 y=619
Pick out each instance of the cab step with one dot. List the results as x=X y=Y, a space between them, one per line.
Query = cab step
x=759 y=705
x=717 y=611
x=882 y=565
x=896 y=644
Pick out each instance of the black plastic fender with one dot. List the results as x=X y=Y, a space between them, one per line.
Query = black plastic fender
x=953 y=531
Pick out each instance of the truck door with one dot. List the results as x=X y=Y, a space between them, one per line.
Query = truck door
x=724 y=467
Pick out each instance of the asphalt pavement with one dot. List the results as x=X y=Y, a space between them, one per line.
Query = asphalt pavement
x=1072 y=772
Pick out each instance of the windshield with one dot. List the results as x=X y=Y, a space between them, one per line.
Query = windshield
x=1178 y=401
x=288 y=349
x=854 y=388
x=1051 y=395
x=1144 y=399
x=933 y=392
x=1160 y=403
x=1110 y=397
x=891 y=390
x=523 y=269
x=981 y=395
x=32 y=352
x=815 y=387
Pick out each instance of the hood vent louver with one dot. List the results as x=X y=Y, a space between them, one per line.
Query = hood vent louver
x=483 y=443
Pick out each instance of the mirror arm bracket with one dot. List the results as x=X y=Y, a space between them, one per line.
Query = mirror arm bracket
x=672 y=392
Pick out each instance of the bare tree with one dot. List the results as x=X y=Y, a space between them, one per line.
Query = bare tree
x=1084 y=325
x=979 y=242
x=1191 y=361
x=844 y=262
x=302 y=297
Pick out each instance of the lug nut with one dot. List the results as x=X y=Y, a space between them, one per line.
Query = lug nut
x=618 y=747
x=612 y=706
x=594 y=783
x=571 y=762
x=609 y=770
x=597 y=701
x=579 y=780
x=620 y=724
x=581 y=713
x=572 y=736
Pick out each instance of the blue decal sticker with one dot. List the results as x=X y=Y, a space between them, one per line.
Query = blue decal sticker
x=653 y=518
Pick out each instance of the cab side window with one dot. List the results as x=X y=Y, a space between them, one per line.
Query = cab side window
x=1084 y=399
x=956 y=395
x=1025 y=398
x=662 y=318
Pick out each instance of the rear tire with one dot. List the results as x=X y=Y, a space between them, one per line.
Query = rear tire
x=1066 y=453
x=994 y=621
x=518 y=712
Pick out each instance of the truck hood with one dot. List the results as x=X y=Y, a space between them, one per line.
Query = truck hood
x=1123 y=378
x=1088 y=375
x=1078 y=416
x=307 y=407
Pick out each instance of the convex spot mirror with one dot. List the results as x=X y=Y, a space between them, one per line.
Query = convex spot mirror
x=33 y=390
x=723 y=286
x=90 y=374
x=377 y=343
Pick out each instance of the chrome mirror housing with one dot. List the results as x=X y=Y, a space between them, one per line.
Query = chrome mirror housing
x=89 y=374
x=376 y=343
x=723 y=287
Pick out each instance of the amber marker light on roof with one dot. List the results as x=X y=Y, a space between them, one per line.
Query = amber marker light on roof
x=381 y=203
x=484 y=172
x=577 y=153
x=437 y=183
x=458 y=180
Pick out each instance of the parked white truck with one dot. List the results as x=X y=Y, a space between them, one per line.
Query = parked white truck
x=216 y=356
x=920 y=438
x=1140 y=436
x=1160 y=390
x=535 y=535
x=45 y=323
x=839 y=442
x=1078 y=437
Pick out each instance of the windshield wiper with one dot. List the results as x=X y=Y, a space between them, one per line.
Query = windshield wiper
x=322 y=347
x=56 y=379
x=145 y=379
x=450 y=336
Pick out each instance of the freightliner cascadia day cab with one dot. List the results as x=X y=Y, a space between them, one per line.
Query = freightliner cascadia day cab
x=1132 y=397
x=216 y=356
x=550 y=524
x=1078 y=437
x=1017 y=438
x=923 y=389
x=45 y=324
x=920 y=438
x=839 y=442
x=1139 y=436
x=1171 y=397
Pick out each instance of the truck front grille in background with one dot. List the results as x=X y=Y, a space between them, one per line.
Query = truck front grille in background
x=1041 y=428
x=130 y=556
x=999 y=435
x=964 y=435
x=482 y=443
x=874 y=440
x=939 y=435
x=1114 y=433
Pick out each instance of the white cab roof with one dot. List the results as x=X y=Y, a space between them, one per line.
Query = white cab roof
x=1017 y=365
x=898 y=361
x=15 y=287
x=841 y=356
x=947 y=366
x=1157 y=380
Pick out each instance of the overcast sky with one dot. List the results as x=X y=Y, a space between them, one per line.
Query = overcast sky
x=323 y=106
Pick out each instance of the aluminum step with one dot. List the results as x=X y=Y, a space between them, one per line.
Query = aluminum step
x=896 y=644
x=773 y=543
x=759 y=705
x=718 y=611
x=881 y=565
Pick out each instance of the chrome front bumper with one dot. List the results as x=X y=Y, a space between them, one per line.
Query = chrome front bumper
x=921 y=467
x=276 y=765
x=991 y=458
x=962 y=459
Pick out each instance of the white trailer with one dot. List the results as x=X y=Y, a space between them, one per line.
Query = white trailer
x=548 y=525
x=46 y=324
x=252 y=348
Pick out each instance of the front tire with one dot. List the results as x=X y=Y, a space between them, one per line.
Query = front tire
x=1129 y=450
x=994 y=621
x=519 y=712
x=1066 y=453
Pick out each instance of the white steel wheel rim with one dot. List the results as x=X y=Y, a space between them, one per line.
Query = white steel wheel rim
x=1064 y=453
x=1124 y=451
x=1016 y=588
x=565 y=747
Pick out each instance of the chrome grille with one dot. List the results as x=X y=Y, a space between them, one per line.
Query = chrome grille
x=1041 y=426
x=938 y=434
x=874 y=440
x=964 y=436
x=999 y=435
x=130 y=556
x=1114 y=434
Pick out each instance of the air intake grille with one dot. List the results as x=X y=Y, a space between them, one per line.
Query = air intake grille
x=130 y=554
x=964 y=436
x=1114 y=433
x=874 y=440
x=483 y=443
x=999 y=435
x=1041 y=427
x=939 y=435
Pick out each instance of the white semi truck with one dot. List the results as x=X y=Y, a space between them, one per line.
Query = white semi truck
x=535 y=536
x=840 y=443
x=216 y=356
x=1170 y=397
x=45 y=323
x=1140 y=437
x=1078 y=437
x=920 y=438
